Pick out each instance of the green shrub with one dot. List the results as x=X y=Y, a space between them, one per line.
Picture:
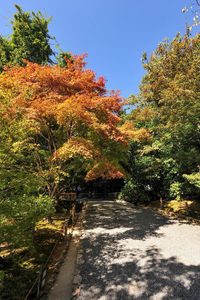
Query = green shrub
x=176 y=190
x=133 y=193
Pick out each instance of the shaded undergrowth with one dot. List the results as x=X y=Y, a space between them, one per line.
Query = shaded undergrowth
x=21 y=266
x=185 y=209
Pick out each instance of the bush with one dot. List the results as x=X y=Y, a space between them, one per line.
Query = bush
x=176 y=190
x=133 y=193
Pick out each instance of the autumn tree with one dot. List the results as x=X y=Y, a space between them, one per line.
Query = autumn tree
x=58 y=126
x=168 y=106
x=54 y=120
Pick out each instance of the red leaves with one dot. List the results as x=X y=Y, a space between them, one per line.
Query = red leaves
x=74 y=100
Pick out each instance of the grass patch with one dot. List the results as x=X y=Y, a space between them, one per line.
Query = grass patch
x=20 y=268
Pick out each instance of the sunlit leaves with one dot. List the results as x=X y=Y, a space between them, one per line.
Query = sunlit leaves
x=168 y=110
x=194 y=11
x=68 y=107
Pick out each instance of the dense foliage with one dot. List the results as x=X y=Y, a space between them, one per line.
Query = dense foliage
x=54 y=122
x=58 y=125
x=168 y=106
x=30 y=40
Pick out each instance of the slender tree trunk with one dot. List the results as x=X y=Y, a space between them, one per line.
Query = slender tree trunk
x=161 y=201
x=187 y=207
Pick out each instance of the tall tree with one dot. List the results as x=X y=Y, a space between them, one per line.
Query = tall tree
x=168 y=105
x=30 y=40
x=60 y=119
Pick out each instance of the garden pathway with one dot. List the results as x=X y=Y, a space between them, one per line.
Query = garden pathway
x=135 y=253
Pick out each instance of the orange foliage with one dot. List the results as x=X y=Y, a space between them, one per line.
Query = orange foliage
x=74 y=100
x=104 y=170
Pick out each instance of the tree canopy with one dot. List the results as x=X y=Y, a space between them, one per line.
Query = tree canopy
x=55 y=121
x=168 y=107
x=30 y=40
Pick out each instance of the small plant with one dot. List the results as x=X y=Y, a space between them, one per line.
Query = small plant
x=176 y=191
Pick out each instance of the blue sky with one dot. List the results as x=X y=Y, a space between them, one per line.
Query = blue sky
x=114 y=33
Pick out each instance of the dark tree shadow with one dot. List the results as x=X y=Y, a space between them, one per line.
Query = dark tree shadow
x=139 y=222
x=113 y=270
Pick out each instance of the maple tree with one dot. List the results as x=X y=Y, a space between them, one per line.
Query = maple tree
x=70 y=109
x=59 y=126
x=60 y=119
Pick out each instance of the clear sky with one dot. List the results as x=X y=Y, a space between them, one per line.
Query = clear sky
x=114 y=33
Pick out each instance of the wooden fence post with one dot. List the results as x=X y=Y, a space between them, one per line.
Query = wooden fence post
x=41 y=281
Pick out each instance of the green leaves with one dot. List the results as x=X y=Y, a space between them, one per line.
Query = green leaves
x=29 y=41
x=22 y=202
x=193 y=179
x=168 y=105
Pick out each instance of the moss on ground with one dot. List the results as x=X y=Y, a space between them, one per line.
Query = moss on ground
x=20 y=268
x=188 y=209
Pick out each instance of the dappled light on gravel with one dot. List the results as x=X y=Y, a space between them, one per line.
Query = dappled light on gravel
x=135 y=253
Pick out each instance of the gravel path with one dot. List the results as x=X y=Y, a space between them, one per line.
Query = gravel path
x=134 y=253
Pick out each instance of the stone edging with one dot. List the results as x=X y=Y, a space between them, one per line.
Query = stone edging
x=53 y=277
x=79 y=258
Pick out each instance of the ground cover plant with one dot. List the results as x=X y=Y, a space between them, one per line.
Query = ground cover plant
x=21 y=266
x=187 y=210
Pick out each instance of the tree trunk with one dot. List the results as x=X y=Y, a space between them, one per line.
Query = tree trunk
x=161 y=201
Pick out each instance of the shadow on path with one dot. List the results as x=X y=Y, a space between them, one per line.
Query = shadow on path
x=124 y=256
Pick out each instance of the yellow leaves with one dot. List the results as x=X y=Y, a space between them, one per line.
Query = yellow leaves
x=142 y=135
x=137 y=135
x=193 y=10
x=193 y=178
x=150 y=148
x=74 y=107
x=20 y=145
x=143 y=114
x=77 y=146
